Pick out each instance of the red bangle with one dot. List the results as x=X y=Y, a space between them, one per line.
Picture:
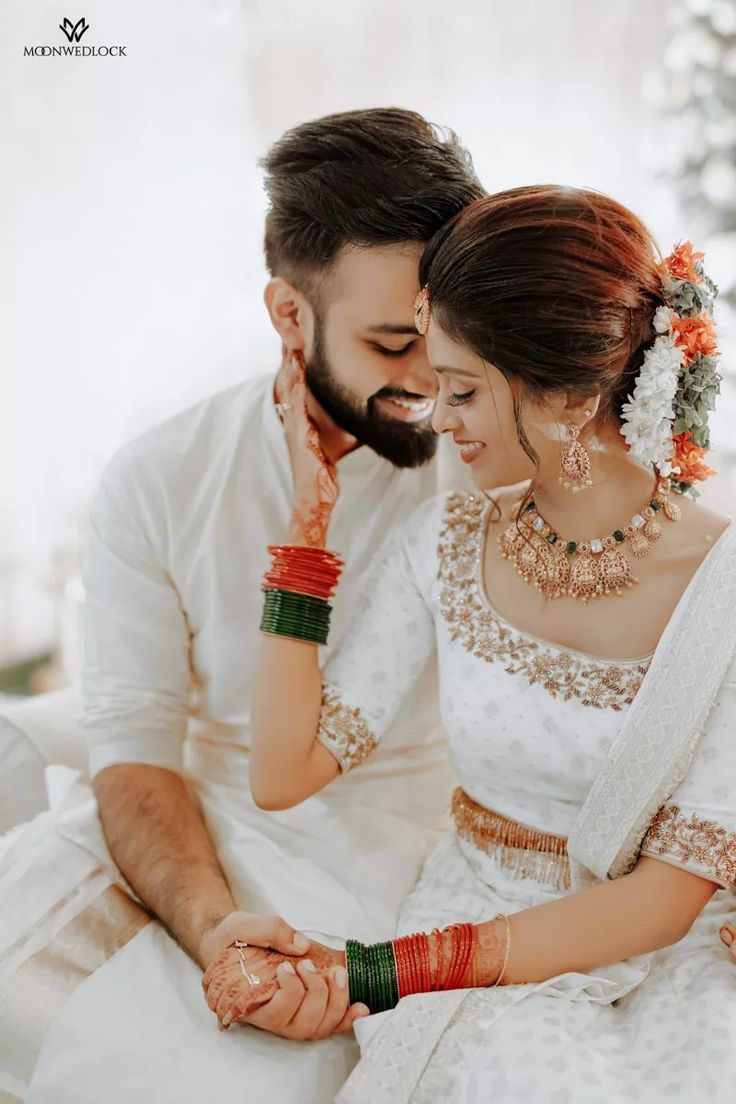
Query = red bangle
x=427 y=972
x=416 y=962
x=402 y=978
x=413 y=960
x=409 y=980
x=463 y=938
x=296 y=586
x=468 y=948
x=440 y=949
x=303 y=570
x=453 y=957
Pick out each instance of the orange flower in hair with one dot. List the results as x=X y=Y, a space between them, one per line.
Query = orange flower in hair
x=690 y=459
x=694 y=335
x=681 y=262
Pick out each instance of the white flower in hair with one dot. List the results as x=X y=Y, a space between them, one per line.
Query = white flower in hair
x=647 y=416
x=662 y=320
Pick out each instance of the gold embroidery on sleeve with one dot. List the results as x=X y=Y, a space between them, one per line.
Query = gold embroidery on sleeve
x=602 y=684
x=694 y=841
x=343 y=731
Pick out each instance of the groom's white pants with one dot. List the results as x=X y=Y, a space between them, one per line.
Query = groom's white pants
x=138 y=1029
x=90 y=1014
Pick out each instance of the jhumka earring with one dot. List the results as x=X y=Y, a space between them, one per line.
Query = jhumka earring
x=574 y=462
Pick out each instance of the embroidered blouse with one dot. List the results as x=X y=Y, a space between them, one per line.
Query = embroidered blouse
x=529 y=722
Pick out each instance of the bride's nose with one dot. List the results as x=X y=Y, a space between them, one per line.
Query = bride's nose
x=445 y=419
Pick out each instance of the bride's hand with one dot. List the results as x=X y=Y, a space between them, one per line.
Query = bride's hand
x=728 y=938
x=229 y=993
x=294 y=998
x=316 y=486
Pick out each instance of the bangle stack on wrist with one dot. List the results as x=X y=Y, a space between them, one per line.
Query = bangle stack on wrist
x=380 y=974
x=372 y=975
x=298 y=586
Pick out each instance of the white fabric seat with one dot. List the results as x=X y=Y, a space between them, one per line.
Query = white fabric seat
x=35 y=732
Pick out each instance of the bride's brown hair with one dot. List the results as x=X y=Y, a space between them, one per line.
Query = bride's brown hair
x=556 y=287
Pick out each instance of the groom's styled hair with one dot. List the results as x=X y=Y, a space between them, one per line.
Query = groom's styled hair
x=381 y=176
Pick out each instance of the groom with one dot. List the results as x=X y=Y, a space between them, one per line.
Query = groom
x=180 y=529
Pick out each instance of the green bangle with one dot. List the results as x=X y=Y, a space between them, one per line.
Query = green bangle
x=296 y=603
x=299 y=616
x=383 y=989
x=294 y=599
x=372 y=977
x=391 y=982
x=355 y=965
x=374 y=980
x=389 y=973
x=376 y=991
x=290 y=621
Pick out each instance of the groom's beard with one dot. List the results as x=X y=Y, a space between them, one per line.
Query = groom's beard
x=403 y=445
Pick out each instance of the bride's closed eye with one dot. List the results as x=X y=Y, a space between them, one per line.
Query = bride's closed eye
x=459 y=400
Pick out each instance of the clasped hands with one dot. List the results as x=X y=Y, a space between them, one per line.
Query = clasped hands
x=280 y=981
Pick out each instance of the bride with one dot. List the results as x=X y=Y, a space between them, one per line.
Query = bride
x=583 y=607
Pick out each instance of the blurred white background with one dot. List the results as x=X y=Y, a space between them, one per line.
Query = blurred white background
x=131 y=206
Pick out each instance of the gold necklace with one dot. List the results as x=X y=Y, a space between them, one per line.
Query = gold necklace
x=584 y=569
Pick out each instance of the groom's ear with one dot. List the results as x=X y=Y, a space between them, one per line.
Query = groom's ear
x=291 y=314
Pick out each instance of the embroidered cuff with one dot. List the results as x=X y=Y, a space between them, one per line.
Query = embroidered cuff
x=343 y=731
x=701 y=846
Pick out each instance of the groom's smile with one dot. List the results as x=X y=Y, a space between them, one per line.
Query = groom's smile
x=405 y=409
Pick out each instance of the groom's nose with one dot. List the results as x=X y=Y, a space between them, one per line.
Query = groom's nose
x=418 y=379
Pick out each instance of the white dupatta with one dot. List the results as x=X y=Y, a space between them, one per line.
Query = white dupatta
x=664 y=723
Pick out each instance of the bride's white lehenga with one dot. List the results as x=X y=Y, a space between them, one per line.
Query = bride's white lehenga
x=539 y=734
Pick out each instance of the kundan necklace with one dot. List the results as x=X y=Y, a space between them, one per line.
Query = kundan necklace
x=584 y=569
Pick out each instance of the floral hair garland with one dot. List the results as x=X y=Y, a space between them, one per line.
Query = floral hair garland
x=665 y=421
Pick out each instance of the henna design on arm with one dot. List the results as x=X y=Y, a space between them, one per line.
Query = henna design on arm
x=311 y=515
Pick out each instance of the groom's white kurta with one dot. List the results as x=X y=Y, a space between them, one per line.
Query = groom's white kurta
x=180 y=529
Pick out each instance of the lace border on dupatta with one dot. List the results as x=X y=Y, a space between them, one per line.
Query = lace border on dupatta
x=663 y=725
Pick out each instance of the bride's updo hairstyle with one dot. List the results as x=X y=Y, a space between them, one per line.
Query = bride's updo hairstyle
x=556 y=287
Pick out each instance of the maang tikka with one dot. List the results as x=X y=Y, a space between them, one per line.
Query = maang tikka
x=574 y=462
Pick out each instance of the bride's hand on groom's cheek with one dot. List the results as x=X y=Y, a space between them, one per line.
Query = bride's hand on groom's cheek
x=315 y=478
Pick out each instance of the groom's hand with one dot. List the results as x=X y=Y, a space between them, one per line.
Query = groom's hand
x=252 y=928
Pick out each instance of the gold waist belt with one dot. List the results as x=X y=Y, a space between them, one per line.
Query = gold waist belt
x=526 y=851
